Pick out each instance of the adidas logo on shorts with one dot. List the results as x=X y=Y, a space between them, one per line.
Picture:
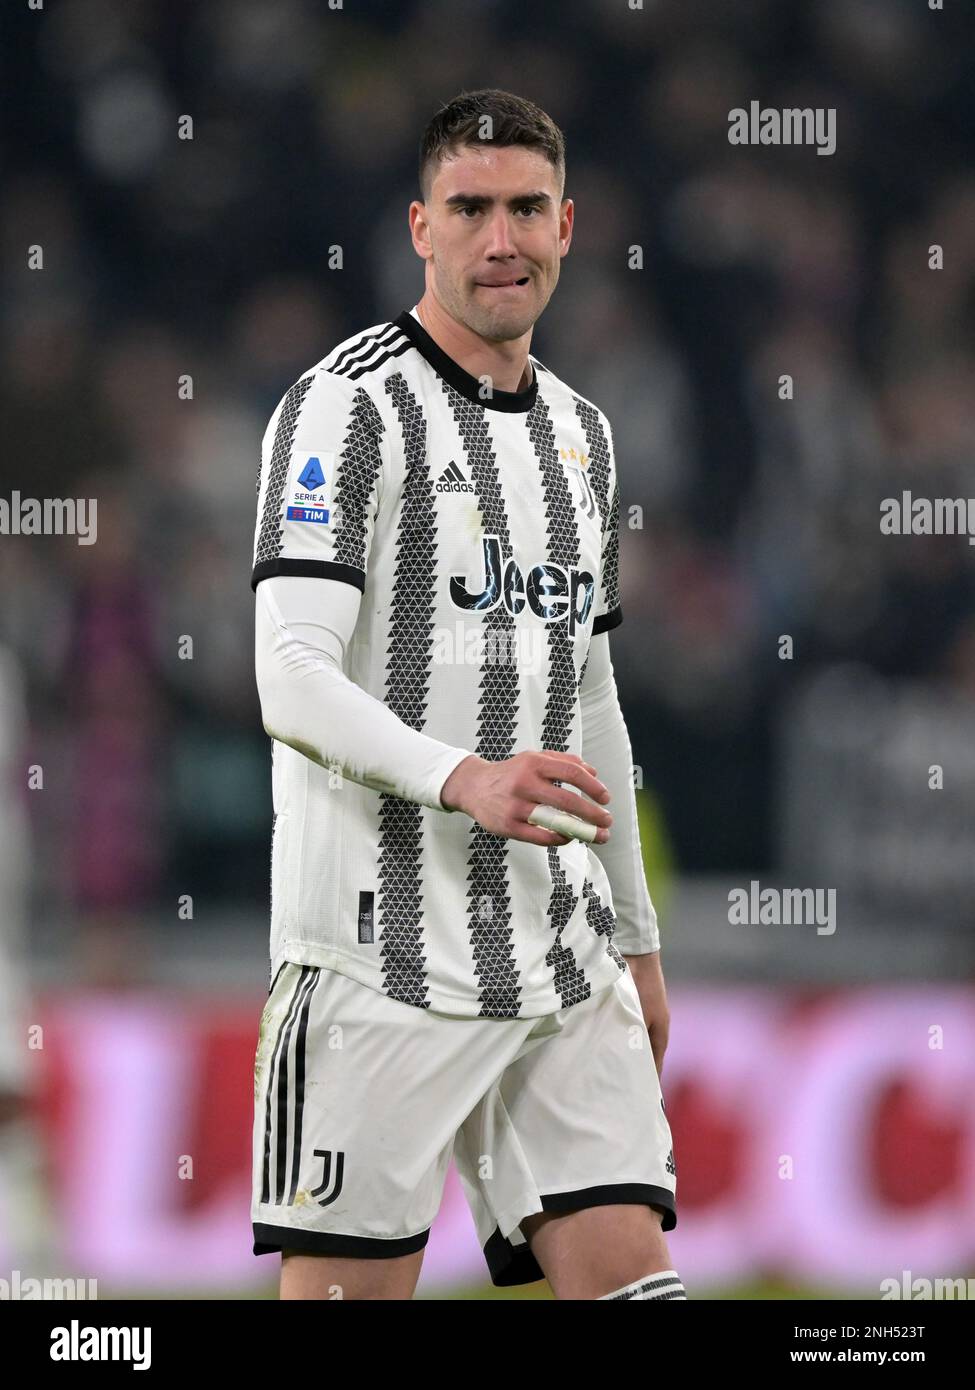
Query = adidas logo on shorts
x=453 y=480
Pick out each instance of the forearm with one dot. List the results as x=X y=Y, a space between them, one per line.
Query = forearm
x=606 y=745
x=309 y=703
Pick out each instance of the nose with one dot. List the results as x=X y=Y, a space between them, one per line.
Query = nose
x=500 y=243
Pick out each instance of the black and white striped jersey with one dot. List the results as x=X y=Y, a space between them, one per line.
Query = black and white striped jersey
x=481 y=529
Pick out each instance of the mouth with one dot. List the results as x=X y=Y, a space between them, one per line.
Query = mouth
x=503 y=284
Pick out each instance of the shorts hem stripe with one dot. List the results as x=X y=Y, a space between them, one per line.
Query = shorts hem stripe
x=270 y=1240
x=614 y=1194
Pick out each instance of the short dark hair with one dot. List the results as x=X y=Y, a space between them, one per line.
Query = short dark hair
x=514 y=121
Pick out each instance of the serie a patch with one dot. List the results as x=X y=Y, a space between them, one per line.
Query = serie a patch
x=311 y=473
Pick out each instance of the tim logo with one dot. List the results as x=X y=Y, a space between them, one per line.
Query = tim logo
x=552 y=593
x=323 y=1186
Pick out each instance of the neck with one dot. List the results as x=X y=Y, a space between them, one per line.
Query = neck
x=505 y=363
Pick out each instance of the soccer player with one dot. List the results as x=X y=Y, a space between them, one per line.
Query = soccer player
x=436 y=577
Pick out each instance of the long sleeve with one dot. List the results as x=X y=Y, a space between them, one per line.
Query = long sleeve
x=302 y=627
x=606 y=745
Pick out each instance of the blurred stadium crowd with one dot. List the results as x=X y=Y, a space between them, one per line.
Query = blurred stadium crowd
x=208 y=258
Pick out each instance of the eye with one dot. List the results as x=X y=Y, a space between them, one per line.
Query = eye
x=525 y=207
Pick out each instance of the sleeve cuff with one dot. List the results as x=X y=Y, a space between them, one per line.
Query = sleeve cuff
x=453 y=758
x=313 y=569
x=635 y=948
x=604 y=621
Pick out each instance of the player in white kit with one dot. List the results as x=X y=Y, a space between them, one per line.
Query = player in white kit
x=436 y=576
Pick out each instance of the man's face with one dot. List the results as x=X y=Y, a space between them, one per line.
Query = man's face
x=494 y=233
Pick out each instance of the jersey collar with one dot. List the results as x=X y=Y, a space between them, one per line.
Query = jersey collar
x=455 y=375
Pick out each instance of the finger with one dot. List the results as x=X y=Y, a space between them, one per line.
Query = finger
x=536 y=835
x=575 y=758
x=564 y=800
x=562 y=823
x=576 y=777
x=581 y=761
x=526 y=808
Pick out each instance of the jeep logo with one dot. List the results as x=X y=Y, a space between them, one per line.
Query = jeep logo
x=551 y=592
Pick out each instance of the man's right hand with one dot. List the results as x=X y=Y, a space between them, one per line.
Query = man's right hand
x=501 y=796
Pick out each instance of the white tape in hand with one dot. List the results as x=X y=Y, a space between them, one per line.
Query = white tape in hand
x=551 y=818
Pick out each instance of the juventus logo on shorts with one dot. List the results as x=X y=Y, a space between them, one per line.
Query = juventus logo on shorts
x=326 y=1175
x=285 y=1103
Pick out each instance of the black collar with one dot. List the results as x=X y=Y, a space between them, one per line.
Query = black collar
x=460 y=380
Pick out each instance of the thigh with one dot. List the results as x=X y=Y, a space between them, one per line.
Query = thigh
x=333 y=1278
x=590 y=1252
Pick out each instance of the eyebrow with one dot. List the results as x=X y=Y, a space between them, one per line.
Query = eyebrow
x=482 y=200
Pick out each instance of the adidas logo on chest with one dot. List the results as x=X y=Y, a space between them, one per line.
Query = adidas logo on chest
x=453 y=480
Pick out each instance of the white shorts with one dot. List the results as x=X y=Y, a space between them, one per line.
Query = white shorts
x=360 y=1101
